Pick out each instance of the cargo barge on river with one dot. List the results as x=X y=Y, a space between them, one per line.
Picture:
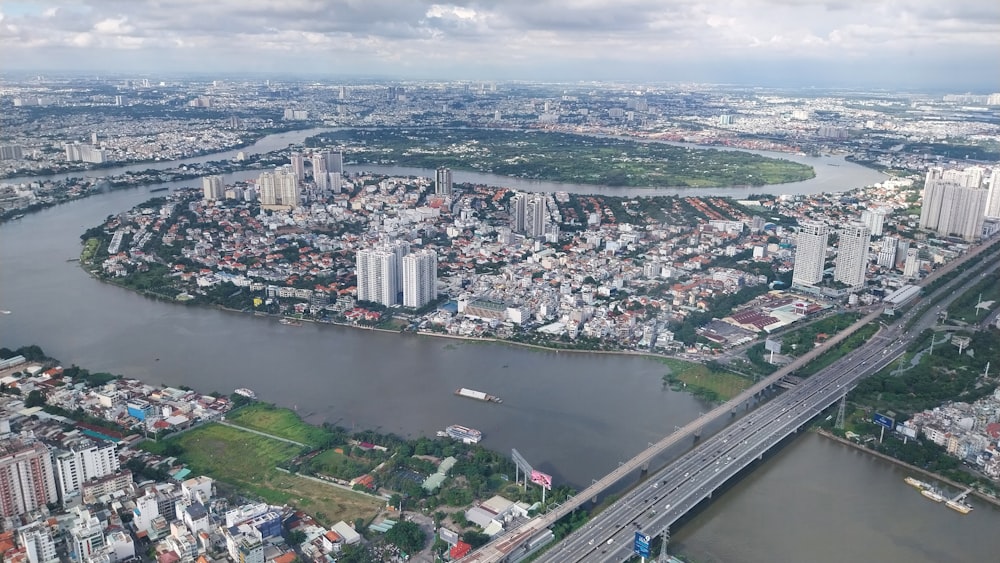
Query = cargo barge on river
x=478 y=395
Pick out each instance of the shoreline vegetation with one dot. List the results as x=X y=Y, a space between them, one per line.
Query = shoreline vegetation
x=565 y=157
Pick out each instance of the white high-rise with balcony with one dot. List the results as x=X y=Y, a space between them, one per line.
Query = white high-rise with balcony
x=213 y=188
x=298 y=163
x=379 y=272
x=279 y=188
x=993 y=196
x=852 y=255
x=27 y=482
x=83 y=462
x=955 y=202
x=419 y=278
x=442 y=181
x=810 y=253
x=874 y=219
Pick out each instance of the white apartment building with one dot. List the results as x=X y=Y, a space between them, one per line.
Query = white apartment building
x=377 y=270
x=419 y=278
x=27 y=481
x=874 y=219
x=810 y=253
x=83 y=462
x=213 y=188
x=993 y=195
x=955 y=202
x=852 y=255
x=280 y=188
x=38 y=542
x=442 y=181
x=86 y=537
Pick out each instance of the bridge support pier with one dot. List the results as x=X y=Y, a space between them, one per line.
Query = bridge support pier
x=697 y=434
x=665 y=541
x=645 y=468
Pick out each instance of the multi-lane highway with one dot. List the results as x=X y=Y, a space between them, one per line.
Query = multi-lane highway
x=670 y=493
x=674 y=490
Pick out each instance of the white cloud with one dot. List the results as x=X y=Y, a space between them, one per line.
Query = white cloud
x=114 y=26
x=519 y=35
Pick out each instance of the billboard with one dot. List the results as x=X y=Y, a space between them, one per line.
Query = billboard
x=641 y=545
x=883 y=420
x=543 y=479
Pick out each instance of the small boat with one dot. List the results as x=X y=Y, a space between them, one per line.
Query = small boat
x=917 y=483
x=248 y=393
x=959 y=505
x=478 y=395
x=290 y=322
x=464 y=434
x=933 y=493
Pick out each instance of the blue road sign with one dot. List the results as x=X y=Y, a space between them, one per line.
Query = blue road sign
x=883 y=420
x=641 y=545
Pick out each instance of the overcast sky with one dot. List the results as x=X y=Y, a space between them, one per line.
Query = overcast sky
x=942 y=44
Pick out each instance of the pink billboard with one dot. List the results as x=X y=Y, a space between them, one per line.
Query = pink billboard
x=543 y=479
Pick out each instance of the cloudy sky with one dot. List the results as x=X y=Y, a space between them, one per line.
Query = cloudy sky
x=944 y=44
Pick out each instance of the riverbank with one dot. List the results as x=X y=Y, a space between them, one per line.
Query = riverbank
x=954 y=484
x=251 y=138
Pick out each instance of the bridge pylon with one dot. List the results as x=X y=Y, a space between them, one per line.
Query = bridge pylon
x=665 y=535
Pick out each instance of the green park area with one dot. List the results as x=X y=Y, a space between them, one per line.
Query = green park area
x=704 y=382
x=248 y=462
x=562 y=157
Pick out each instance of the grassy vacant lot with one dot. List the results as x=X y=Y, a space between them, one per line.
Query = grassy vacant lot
x=89 y=249
x=703 y=382
x=339 y=465
x=964 y=308
x=248 y=462
x=564 y=157
x=279 y=422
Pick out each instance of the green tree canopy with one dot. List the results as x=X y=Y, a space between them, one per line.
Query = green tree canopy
x=407 y=536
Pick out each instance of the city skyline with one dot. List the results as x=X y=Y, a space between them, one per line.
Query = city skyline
x=766 y=42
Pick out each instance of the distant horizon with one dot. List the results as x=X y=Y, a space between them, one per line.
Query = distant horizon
x=374 y=79
x=853 y=44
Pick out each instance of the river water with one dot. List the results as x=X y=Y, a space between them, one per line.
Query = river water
x=572 y=415
x=819 y=501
